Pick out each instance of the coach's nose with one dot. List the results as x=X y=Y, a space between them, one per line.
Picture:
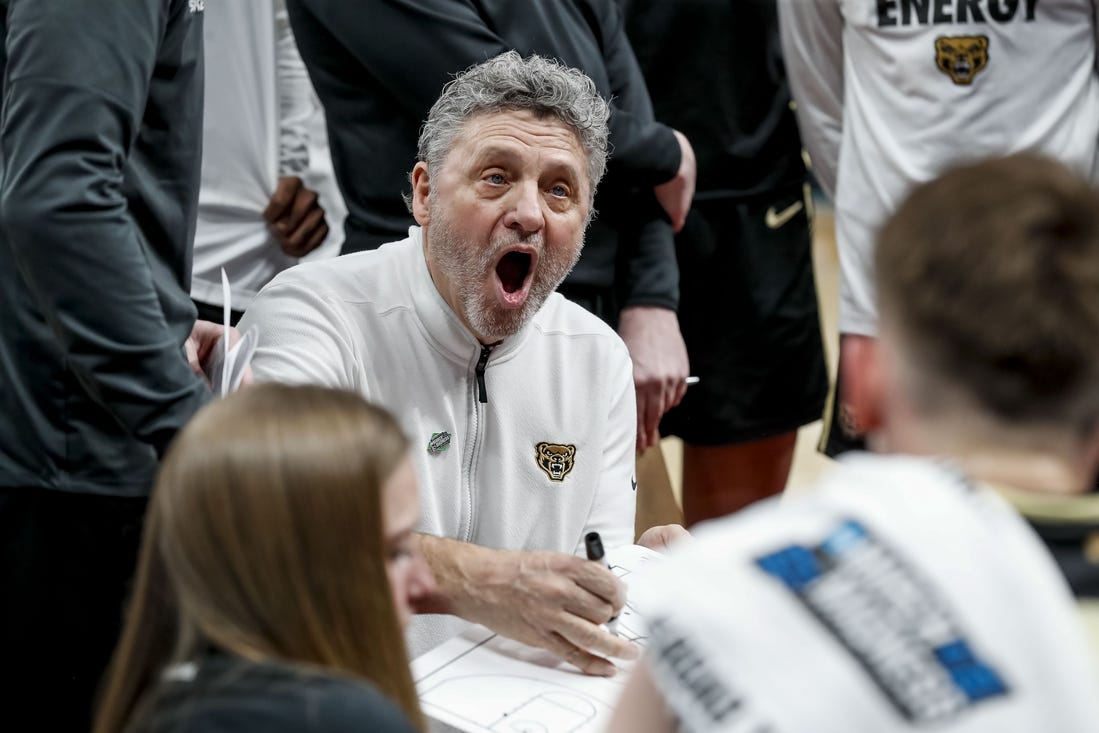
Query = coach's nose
x=525 y=208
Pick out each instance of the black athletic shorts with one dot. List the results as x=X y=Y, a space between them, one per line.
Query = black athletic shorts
x=748 y=312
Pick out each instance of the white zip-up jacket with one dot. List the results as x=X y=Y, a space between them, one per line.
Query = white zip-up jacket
x=891 y=92
x=528 y=454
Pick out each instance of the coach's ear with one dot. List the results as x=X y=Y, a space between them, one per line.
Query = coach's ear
x=421 y=187
x=863 y=384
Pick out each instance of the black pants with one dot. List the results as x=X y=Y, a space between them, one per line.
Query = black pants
x=66 y=562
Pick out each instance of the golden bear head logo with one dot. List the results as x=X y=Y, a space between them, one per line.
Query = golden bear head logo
x=555 y=460
x=961 y=57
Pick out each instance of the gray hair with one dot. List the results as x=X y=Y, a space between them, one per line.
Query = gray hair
x=510 y=82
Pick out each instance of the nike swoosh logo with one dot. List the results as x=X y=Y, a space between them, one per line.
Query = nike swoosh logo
x=775 y=219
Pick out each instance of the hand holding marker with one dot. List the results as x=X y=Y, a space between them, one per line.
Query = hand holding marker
x=593 y=545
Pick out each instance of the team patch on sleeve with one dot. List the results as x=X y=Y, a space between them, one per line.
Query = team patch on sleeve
x=891 y=620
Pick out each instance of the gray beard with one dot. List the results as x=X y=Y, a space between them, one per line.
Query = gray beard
x=469 y=265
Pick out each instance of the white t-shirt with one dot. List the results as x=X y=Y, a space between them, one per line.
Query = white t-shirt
x=891 y=92
x=262 y=120
x=897 y=596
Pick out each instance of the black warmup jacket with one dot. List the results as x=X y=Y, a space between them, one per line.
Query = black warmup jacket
x=379 y=65
x=100 y=144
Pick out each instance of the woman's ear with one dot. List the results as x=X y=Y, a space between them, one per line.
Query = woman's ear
x=421 y=190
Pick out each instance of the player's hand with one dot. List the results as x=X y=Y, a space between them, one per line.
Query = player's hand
x=860 y=412
x=662 y=537
x=296 y=218
x=545 y=599
x=675 y=196
x=660 y=366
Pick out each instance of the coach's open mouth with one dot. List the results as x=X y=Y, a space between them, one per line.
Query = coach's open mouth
x=514 y=273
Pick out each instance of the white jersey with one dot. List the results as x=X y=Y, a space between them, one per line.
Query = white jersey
x=891 y=92
x=261 y=122
x=546 y=457
x=896 y=597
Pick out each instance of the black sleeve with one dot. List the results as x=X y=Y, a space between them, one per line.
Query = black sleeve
x=411 y=47
x=645 y=150
x=76 y=80
x=648 y=273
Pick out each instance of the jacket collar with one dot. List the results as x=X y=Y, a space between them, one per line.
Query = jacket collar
x=441 y=324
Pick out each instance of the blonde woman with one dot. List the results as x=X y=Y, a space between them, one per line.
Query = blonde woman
x=276 y=574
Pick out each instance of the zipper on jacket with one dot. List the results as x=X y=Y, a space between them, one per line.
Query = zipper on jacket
x=482 y=388
x=473 y=445
x=473 y=449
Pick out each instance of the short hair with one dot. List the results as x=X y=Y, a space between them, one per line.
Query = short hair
x=509 y=82
x=990 y=274
x=265 y=538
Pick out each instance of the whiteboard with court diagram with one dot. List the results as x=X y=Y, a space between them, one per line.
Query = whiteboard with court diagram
x=484 y=683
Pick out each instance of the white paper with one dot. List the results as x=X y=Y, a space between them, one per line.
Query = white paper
x=482 y=682
x=236 y=362
x=226 y=310
x=226 y=366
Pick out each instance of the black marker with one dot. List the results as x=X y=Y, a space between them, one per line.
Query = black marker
x=593 y=545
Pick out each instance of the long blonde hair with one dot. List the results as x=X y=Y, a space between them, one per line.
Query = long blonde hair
x=264 y=538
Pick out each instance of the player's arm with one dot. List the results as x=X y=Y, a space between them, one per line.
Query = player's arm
x=294 y=213
x=77 y=78
x=642 y=708
x=412 y=47
x=648 y=280
x=645 y=153
x=649 y=286
x=296 y=102
x=812 y=46
x=646 y=150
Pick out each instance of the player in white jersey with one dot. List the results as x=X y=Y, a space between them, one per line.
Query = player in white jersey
x=904 y=593
x=268 y=194
x=890 y=92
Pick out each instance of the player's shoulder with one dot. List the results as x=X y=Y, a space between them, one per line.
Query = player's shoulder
x=878 y=493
